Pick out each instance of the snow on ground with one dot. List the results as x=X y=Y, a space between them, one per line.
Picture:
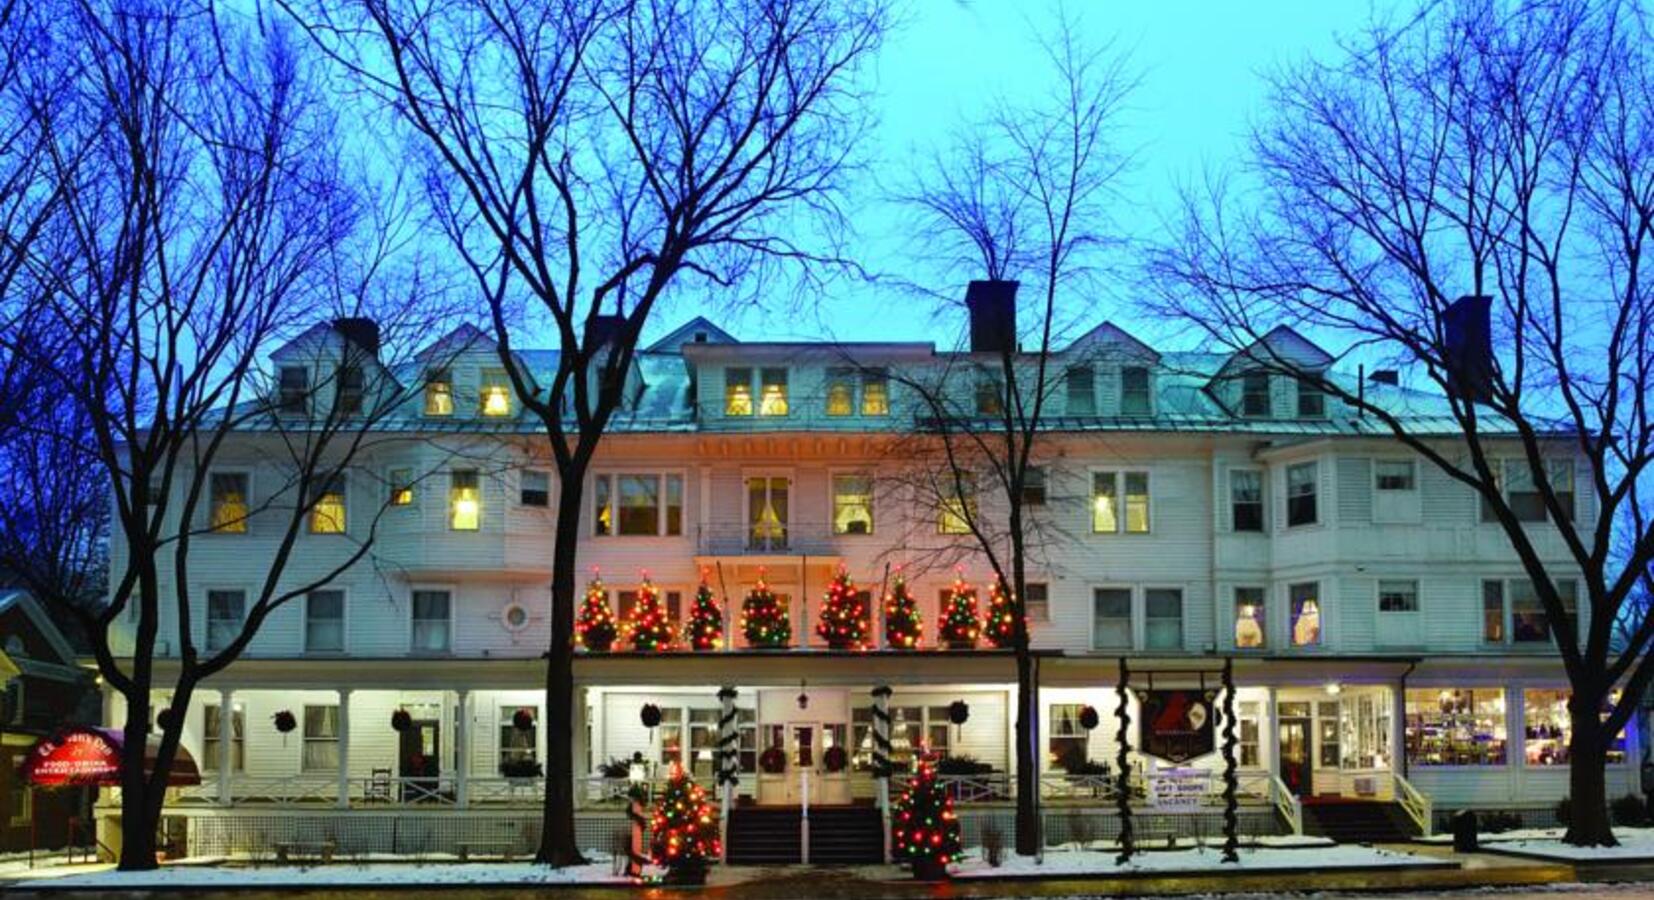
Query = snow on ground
x=334 y=875
x=1194 y=860
x=1635 y=843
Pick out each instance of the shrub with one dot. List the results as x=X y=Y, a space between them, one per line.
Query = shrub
x=1629 y=811
x=1497 y=820
x=993 y=845
x=962 y=764
x=524 y=768
x=616 y=768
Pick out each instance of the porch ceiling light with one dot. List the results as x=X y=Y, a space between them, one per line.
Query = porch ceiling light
x=1334 y=688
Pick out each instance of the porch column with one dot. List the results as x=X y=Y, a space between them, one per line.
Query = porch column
x=881 y=758
x=1398 y=730
x=344 y=747
x=728 y=760
x=226 y=742
x=1273 y=742
x=462 y=761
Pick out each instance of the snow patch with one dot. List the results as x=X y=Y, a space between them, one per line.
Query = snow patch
x=1195 y=860
x=184 y=875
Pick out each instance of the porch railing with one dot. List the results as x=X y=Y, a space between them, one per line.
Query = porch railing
x=1415 y=803
x=1286 y=803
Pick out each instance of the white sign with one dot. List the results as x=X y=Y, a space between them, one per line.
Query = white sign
x=1179 y=789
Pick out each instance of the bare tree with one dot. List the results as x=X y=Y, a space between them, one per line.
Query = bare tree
x=588 y=158
x=1500 y=151
x=195 y=216
x=1021 y=195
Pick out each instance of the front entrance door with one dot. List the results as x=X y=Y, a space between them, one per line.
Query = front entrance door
x=420 y=760
x=803 y=757
x=1295 y=757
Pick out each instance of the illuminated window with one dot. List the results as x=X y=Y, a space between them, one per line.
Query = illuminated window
x=294 y=390
x=439 y=393
x=327 y=515
x=637 y=504
x=321 y=739
x=1255 y=394
x=1137 y=502
x=773 y=399
x=228 y=503
x=535 y=488
x=464 y=500
x=402 y=488
x=1081 y=382
x=1549 y=728
x=1456 y=727
x=875 y=393
x=212 y=730
x=516 y=746
x=767 y=512
x=1249 y=618
x=1067 y=745
x=841 y=392
x=496 y=393
x=852 y=504
x=1306 y=614
x=738 y=392
x=1106 y=507
x=1134 y=391
x=639 y=511
x=958 y=505
x=602 y=513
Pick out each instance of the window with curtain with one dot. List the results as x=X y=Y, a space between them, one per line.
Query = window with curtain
x=1111 y=618
x=431 y=621
x=1105 y=502
x=212 y=731
x=670 y=733
x=496 y=393
x=1067 y=744
x=767 y=511
x=852 y=504
x=464 y=500
x=841 y=391
x=1246 y=499
x=875 y=393
x=327 y=511
x=738 y=391
x=324 y=621
x=228 y=503
x=1301 y=490
x=1163 y=619
x=439 y=392
x=772 y=399
x=1250 y=624
x=321 y=739
x=226 y=612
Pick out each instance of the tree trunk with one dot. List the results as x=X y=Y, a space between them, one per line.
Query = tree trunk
x=558 y=846
x=139 y=818
x=1027 y=757
x=1589 y=824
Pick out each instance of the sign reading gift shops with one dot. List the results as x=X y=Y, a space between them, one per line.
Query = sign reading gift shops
x=1175 y=725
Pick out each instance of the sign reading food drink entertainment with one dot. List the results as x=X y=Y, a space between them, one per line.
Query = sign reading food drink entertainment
x=1175 y=725
x=73 y=756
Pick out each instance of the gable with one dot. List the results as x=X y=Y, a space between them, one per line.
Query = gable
x=698 y=330
x=1109 y=339
x=30 y=633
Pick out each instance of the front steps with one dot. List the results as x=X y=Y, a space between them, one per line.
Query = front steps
x=1358 y=821
x=839 y=835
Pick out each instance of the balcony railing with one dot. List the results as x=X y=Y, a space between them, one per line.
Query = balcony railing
x=745 y=539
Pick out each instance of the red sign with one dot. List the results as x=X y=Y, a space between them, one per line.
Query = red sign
x=74 y=756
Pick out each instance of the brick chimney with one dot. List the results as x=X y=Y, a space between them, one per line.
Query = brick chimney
x=1468 y=353
x=993 y=311
x=361 y=331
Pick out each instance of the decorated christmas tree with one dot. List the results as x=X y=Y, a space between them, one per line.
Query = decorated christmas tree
x=844 y=618
x=595 y=625
x=764 y=618
x=960 y=625
x=684 y=830
x=903 y=625
x=1000 y=625
x=924 y=832
x=705 y=628
x=647 y=625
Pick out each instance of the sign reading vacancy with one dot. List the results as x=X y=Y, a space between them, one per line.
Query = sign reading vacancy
x=1175 y=725
x=1179 y=788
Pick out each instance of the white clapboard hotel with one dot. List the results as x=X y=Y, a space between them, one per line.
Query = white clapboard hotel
x=1392 y=663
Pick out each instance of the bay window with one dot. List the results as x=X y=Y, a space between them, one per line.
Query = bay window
x=1246 y=499
x=1301 y=490
x=1456 y=727
x=1305 y=605
x=1515 y=482
x=1513 y=613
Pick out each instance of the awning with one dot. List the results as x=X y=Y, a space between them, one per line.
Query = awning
x=82 y=755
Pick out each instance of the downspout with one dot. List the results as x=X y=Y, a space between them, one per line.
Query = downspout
x=1401 y=715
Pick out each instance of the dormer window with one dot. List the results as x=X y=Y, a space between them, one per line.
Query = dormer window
x=1255 y=394
x=1312 y=404
x=841 y=392
x=773 y=396
x=1134 y=391
x=293 y=391
x=1081 y=382
x=496 y=393
x=875 y=393
x=350 y=391
x=989 y=395
x=439 y=393
x=738 y=391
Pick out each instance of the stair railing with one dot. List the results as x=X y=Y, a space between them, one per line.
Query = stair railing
x=1286 y=803
x=1415 y=803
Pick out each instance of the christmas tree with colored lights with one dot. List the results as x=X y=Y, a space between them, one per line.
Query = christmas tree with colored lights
x=924 y=831
x=764 y=618
x=1000 y=625
x=595 y=625
x=903 y=625
x=705 y=628
x=844 y=618
x=960 y=626
x=647 y=624
x=684 y=830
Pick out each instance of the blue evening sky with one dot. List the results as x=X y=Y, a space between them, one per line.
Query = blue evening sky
x=1199 y=62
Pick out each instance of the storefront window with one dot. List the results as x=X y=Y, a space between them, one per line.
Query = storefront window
x=1366 y=730
x=1456 y=727
x=1550 y=727
x=1248 y=713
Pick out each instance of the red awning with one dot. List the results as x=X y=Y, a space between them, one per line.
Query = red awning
x=81 y=755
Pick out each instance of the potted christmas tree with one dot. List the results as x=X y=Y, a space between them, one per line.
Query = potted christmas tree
x=924 y=831
x=595 y=625
x=960 y=626
x=844 y=617
x=647 y=625
x=684 y=830
x=903 y=625
x=764 y=619
x=705 y=628
x=1000 y=625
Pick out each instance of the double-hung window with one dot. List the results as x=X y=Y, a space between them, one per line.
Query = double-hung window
x=1246 y=499
x=1301 y=492
x=875 y=393
x=1526 y=501
x=402 y=487
x=495 y=393
x=958 y=504
x=1033 y=486
x=1251 y=624
x=1111 y=618
x=321 y=739
x=534 y=488
x=852 y=504
x=350 y=390
x=294 y=390
x=772 y=397
x=738 y=391
x=1162 y=619
x=1513 y=613
x=1082 y=390
x=226 y=612
x=1312 y=403
x=432 y=615
x=327 y=509
x=990 y=394
x=212 y=731
x=1116 y=612
x=637 y=504
x=1304 y=602
x=1399 y=623
x=324 y=621
x=464 y=500
x=1135 y=396
x=1255 y=394
x=439 y=392
x=228 y=502
x=1036 y=601
x=517 y=747
x=841 y=392
x=1395 y=491
x=1067 y=744
x=1110 y=513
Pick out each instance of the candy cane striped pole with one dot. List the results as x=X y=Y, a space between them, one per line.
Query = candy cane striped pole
x=881 y=757
x=728 y=762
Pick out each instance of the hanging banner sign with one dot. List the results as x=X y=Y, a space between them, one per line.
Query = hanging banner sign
x=1175 y=725
x=1179 y=789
